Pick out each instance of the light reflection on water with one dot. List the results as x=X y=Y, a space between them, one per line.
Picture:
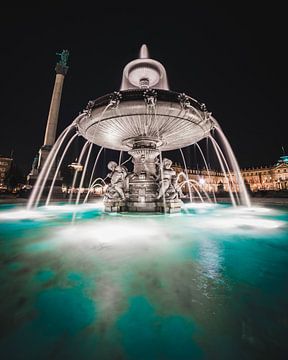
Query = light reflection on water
x=205 y=270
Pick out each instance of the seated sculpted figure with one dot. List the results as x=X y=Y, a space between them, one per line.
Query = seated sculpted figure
x=167 y=184
x=117 y=184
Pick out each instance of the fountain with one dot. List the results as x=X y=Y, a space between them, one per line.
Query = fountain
x=205 y=282
x=144 y=119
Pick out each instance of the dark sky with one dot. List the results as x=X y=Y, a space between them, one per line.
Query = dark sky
x=229 y=57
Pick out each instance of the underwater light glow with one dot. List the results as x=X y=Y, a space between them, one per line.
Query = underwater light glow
x=21 y=214
x=71 y=207
x=199 y=205
x=113 y=232
x=239 y=223
x=136 y=274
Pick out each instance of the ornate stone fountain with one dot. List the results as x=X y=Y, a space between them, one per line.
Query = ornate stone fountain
x=144 y=118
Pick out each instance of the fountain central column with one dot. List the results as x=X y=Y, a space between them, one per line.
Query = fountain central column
x=150 y=187
x=142 y=186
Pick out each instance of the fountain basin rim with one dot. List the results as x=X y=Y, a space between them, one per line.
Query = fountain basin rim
x=139 y=94
x=125 y=145
x=175 y=119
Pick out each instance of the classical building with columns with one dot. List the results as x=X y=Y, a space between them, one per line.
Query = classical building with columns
x=273 y=178
x=268 y=178
x=213 y=181
x=5 y=165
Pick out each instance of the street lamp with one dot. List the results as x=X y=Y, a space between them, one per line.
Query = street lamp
x=202 y=181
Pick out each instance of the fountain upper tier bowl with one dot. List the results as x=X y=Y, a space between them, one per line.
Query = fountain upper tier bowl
x=121 y=119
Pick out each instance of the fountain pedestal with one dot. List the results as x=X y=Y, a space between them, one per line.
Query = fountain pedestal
x=148 y=188
x=142 y=183
x=142 y=193
x=111 y=205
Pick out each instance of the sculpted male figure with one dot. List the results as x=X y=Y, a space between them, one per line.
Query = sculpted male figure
x=167 y=179
x=117 y=175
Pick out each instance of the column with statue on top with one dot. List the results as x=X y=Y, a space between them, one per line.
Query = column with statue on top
x=52 y=122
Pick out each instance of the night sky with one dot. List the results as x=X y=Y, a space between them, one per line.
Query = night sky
x=230 y=58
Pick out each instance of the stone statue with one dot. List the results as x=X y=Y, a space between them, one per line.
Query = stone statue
x=115 y=190
x=63 y=57
x=35 y=162
x=167 y=181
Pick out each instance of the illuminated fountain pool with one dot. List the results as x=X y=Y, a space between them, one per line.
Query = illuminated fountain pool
x=209 y=280
x=142 y=275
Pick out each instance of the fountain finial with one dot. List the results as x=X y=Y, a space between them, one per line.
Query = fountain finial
x=144 y=53
x=144 y=73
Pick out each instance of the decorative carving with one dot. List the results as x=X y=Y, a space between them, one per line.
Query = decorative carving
x=144 y=162
x=150 y=97
x=115 y=99
x=203 y=107
x=115 y=190
x=89 y=107
x=64 y=55
x=184 y=101
x=167 y=181
x=35 y=162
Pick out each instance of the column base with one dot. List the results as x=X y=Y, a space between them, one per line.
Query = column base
x=171 y=206
x=115 y=206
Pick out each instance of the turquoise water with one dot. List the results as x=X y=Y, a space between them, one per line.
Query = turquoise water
x=209 y=283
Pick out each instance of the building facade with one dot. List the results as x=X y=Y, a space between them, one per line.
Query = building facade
x=201 y=180
x=268 y=178
x=5 y=166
